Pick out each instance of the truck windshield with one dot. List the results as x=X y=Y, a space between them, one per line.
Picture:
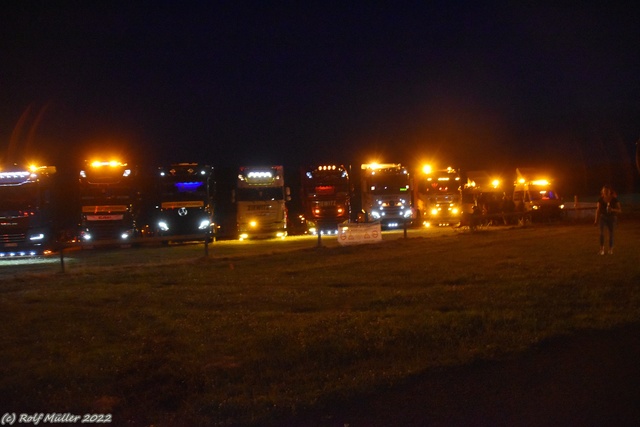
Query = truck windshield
x=388 y=184
x=183 y=190
x=326 y=186
x=259 y=194
x=543 y=194
x=15 y=200
x=107 y=195
x=445 y=198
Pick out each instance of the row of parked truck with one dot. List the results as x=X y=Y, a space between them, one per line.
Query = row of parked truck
x=185 y=200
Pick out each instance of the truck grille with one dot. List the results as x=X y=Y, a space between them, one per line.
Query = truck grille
x=393 y=211
x=13 y=238
x=105 y=230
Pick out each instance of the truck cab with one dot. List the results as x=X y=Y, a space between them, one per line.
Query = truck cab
x=438 y=196
x=386 y=195
x=535 y=193
x=26 y=210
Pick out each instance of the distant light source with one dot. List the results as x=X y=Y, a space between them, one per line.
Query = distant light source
x=540 y=182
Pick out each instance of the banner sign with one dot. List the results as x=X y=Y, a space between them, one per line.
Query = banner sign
x=105 y=217
x=358 y=234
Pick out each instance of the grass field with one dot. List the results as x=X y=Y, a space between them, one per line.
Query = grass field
x=250 y=339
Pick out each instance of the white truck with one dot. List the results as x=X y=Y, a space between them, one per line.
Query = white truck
x=386 y=195
x=260 y=197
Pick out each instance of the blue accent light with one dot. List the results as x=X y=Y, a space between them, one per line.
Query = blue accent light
x=188 y=186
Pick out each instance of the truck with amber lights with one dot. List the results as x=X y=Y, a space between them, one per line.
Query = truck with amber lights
x=487 y=199
x=385 y=191
x=260 y=198
x=535 y=193
x=109 y=202
x=438 y=196
x=26 y=210
x=184 y=201
x=326 y=198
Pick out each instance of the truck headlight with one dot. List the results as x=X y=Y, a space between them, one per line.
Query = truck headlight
x=407 y=213
x=375 y=214
x=434 y=211
x=163 y=226
x=204 y=224
x=36 y=237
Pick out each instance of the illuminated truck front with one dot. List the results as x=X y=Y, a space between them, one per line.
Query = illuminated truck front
x=439 y=196
x=386 y=195
x=260 y=197
x=185 y=205
x=107 y=197
x=326 y=197
x=25 y=213
x=534 y=193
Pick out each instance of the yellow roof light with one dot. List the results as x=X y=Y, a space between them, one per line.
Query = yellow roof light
x=375 y=166
x=110 y=163
x=540 y=182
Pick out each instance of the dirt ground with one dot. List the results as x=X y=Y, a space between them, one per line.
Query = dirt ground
x=590 y=379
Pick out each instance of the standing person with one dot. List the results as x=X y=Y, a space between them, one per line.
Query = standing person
x=607 y=211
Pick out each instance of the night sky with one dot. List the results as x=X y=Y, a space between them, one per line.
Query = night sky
x=478 y=85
